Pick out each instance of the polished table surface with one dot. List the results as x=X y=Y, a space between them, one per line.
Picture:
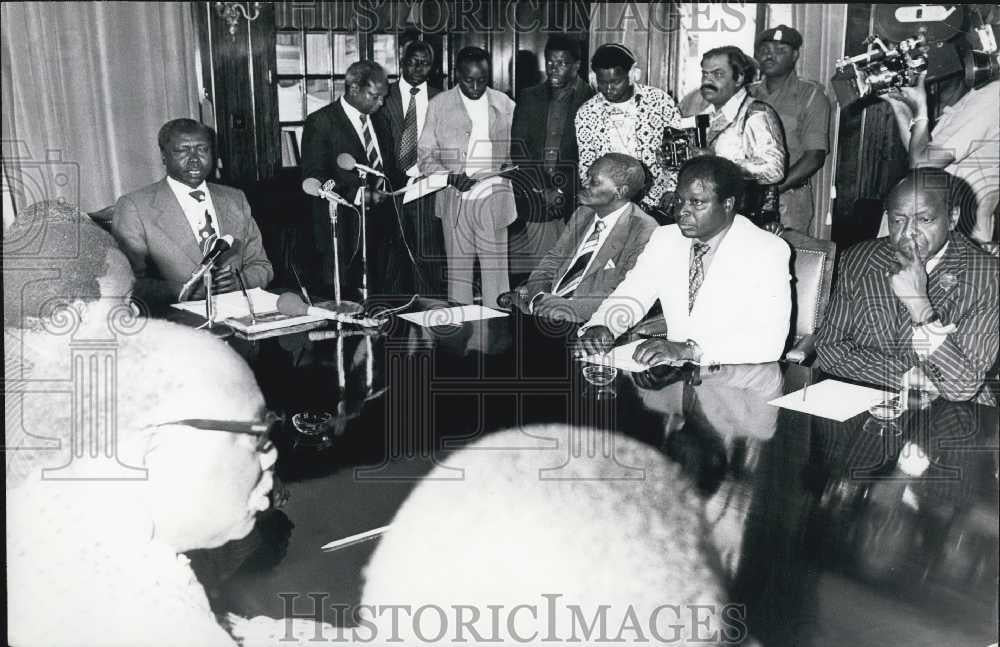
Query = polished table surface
x=853 y=533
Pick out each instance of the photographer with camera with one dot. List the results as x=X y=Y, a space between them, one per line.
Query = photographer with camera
x=965 y=141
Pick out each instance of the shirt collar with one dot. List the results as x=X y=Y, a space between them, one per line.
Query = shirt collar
x=179 y=188
x=612 y=218
x=935 y=260
x=716 y=240
x=352 y=113
x=732 y=107
x=404 y=89
x=788 y=80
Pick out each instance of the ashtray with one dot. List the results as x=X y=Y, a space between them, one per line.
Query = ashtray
x=887 y=410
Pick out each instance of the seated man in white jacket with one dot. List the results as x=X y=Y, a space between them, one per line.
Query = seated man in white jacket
x=723 y=283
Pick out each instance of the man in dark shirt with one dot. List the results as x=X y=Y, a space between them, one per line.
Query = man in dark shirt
x=545 y=149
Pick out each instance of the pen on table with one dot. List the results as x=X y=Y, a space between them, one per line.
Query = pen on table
x=302 y=288
x=243 y=289
x=353 y=539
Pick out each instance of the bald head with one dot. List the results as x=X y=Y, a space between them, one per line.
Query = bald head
x=923 y=208
x=623 y=531
x=612 y=181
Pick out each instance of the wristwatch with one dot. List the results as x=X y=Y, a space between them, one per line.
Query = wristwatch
x=694 y=349
x=933 y=319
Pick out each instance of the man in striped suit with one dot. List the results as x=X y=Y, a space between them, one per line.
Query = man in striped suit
x=921 y=302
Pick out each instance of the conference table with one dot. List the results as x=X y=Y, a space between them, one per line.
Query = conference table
x=857 y=532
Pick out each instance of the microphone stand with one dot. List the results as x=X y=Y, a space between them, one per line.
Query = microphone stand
x=332 y=210
x=209 y=299
x=364 y=237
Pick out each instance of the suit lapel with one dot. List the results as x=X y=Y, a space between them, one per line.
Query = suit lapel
x=223 y=206
x=613 y=244
x=172 y=222
x=582 y=227
x=948 y=274
x=344 y=125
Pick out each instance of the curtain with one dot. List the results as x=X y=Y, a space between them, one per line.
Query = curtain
x=823 y=28
x=86 y=87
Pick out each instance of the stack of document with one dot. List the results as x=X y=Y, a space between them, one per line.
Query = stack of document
x=232 y=309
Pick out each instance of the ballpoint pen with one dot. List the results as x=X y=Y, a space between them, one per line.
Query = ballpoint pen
x=302 y=288
x=243 y=289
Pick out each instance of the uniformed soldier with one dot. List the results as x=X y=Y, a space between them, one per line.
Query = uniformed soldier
x=805 y=114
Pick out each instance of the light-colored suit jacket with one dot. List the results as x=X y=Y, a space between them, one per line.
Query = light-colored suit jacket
x=613 y=260
x=743 y=309
x=444 y=143
x=150 y=226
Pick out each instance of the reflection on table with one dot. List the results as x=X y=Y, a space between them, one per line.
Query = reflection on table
x=829 y=533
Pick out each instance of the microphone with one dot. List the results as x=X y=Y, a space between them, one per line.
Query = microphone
x=219 y=247
x=312 y=186
x=347 y=162
x=702 y=122
x=292 y=305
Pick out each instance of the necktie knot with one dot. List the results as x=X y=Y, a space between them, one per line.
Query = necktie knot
x=414 y=91
x=198 y=195
x=700 y=249
x=599 y=227
x=364 y=118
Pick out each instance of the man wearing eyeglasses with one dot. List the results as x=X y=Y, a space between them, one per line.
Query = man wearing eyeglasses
x=723 y=283
x=101 y=539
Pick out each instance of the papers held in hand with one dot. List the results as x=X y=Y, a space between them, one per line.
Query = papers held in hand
x=620 y=357
x=434 y=182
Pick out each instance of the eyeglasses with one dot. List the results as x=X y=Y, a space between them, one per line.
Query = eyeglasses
x=263 y=429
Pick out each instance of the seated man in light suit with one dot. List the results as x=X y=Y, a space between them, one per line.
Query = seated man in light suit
x=604 y=237
x=164 y=228
x=922 y=301
x=723 y=283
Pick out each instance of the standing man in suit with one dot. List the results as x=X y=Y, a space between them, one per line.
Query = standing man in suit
x=346 y=126
x=468 y=131
x=922 y=301
x=164 y=227
x=598 y=248
x=723 y=283
x=404 y=113
x=545 y=149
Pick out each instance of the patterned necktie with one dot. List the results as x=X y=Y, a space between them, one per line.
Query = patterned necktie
x=374 y=159
x=696 y=272
x=571 y=279
x=207 y=231
x=408 y=140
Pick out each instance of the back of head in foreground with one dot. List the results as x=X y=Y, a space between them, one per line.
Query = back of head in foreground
x=105 y=551
x=537 y=547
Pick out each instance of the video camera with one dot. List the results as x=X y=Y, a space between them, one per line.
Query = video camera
x=880 y=69
x=939 y=40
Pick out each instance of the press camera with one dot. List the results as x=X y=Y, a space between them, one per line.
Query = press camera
x=880 y=69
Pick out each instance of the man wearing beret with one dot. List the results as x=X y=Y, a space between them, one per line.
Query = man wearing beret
x=805 y=115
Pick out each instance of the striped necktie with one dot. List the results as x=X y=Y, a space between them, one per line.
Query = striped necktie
x=696 y=272
x=374 y=159
x=571 y=279
x=408 y=140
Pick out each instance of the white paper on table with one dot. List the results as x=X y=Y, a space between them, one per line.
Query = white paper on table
x=454 y=316
x=832 y=399
x=620 y=357
x=234 y=305
x=425 y=186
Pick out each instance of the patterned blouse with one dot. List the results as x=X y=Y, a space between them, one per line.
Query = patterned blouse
x=654 y=111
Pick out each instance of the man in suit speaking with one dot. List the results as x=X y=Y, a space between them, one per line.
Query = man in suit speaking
x=723 y=283
x=604 y=238
x=164 y=228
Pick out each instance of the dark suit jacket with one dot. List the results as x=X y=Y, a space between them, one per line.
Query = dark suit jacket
x=392 y=114
x=867 y=332
x=150 y=226
x=527 y=147
x=328 y=133
x=613 y=260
